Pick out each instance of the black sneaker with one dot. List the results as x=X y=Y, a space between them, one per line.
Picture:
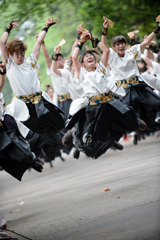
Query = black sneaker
x=76 y=153
x=38 y=167
x=135 y=141
x=118 y=146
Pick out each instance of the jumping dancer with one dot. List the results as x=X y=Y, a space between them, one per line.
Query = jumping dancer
x=125 y=73
x=15 y=153
x=101 y=114
x=30 y=105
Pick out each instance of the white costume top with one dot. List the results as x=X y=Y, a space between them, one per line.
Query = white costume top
x=2 y=98
x=155 y=57
x=97 y=81
x=59 y=85
x=156 y=69
x=24 y=81
x=23 y=78
x=74 y=85
x=125 y=67
x=94 y=83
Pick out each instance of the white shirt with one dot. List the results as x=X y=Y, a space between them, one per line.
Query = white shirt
x=155 y=57
x=96 y=82
x=2 y=98
x=23 y=78
x=74 y=85
x=59 y=84
x=125 y=67
x=156 y=69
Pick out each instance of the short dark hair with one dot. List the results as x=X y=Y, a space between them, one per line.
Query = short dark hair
x=16 y=45
x=92 y=52
x=117 y=39
x=58 y=55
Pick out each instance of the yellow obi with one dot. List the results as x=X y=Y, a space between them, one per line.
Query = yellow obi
x=127 y=82
x=33 y=98
x=64 y=97
x=101 y=98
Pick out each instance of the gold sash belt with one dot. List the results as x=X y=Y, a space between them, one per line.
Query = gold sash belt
x=127 y=82
x=33 y=98
x=64 y=97
x=101 y=98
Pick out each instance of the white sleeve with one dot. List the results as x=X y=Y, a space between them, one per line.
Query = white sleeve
x=33 y=61
x=82 y=73
x=155 y=57
x=136 y=51
x=53 y=74
x=67 y=65
x=111 y=55
x=49 y=70
x=9 y=62
x=151 y=70
x=102 y=68
x=2 y=98
x=65 y=75
x=156 y=67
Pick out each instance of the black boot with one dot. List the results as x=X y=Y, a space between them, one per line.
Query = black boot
x=135 y=141
x=38 y=167
x=118 y=146
x=76 y=153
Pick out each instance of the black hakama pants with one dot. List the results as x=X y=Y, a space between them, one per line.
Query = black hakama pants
x=15 y=153
x=144 y=101
x=65 y=105
x=97 y=121
x=44 y=117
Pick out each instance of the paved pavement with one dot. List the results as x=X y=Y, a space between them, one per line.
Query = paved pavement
x=67 y=202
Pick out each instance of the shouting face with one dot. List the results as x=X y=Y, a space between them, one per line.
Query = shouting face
x=18 y=57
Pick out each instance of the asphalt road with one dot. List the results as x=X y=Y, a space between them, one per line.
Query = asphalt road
x=68 y=202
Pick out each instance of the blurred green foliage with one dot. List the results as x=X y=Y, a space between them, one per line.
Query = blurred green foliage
x=126 y=15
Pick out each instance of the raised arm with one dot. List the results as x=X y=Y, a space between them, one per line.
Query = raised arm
x=146 y=59
x=105 y=54
x=76 y=41
x=150 y=37
x=4 y=39
x=75 y=60
x=84 y=37
x=55 y=59
x=132 y=41
x=37 y=46
x=150 y=54
x=45 y=53
x=104 y=32
x=104 y=48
